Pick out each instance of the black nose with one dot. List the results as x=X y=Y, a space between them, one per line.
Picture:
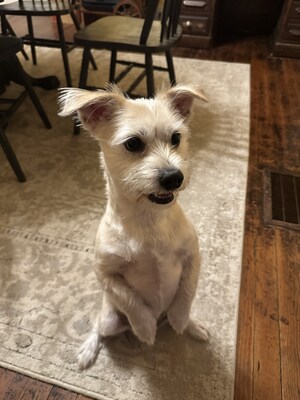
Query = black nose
x=171 y=179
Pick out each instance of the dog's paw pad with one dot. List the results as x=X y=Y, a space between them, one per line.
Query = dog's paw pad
x=88 y=351
x=197 y=331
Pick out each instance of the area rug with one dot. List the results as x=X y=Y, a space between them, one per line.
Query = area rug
x=49 y=294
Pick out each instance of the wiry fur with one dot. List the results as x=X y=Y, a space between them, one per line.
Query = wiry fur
x=146 y=254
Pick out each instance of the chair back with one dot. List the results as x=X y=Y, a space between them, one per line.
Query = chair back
x=48 y=4
x=169 y=19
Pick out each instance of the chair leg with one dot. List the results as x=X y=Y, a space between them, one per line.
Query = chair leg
x=93 y=62
x=112 y=70
x=4 y=26
x=64 y=50
x=77 y=26
x=171 y=68
x=31 y=38
x=11 y=157
x=75 y=20
x=149 y=75
x=84 y=68
x=35 y=100
x=83 y=79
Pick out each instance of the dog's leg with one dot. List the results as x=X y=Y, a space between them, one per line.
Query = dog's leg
x=197 y=331
x=129 y=302
x=179 y=311
x=109 y=323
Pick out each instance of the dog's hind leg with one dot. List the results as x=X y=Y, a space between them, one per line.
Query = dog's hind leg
x=110 y=322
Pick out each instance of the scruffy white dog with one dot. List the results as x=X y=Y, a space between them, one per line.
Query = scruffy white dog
x=146 y=253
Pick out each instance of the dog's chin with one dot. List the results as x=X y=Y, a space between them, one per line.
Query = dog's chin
x=162 y=198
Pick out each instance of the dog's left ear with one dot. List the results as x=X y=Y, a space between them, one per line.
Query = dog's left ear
x=182 y=97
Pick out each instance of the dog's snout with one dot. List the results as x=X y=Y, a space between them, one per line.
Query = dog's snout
x=171 y=179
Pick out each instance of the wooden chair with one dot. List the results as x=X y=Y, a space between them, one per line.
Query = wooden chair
x=9 y=47
x=146 y=36
x=47 y=8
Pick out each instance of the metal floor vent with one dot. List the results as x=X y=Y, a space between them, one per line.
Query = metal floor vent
x=282 y=199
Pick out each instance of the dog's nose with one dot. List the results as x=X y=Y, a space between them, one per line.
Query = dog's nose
x=171 y=179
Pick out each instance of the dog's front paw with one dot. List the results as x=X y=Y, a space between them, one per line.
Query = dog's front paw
x=88 y=351
x=197 y=331
x=178 y=320
x=145 y=328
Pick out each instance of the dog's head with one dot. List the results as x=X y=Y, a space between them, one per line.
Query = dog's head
x=144 y=142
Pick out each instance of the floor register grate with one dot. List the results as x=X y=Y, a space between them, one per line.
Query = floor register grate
x=282 y=199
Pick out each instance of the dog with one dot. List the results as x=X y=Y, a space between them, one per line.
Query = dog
x=146 y=250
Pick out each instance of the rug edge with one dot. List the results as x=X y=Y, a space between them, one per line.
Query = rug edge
x=52 y=381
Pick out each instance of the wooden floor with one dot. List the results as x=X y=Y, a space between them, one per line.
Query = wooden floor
x=268 y=344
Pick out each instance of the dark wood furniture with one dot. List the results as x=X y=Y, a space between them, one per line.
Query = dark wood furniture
x=287 y=33
x=9 y=47
x=198 y=20
x=45 y=8
x=134 y=35
x=258 y=17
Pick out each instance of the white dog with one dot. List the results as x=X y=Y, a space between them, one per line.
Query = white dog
x=146 y=253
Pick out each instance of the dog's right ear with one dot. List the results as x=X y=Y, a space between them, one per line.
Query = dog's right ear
x=92 y=107
x=182 y=98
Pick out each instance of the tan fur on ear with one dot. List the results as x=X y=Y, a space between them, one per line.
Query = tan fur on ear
x=90 y=106
x=188 y=90
x=182 y=97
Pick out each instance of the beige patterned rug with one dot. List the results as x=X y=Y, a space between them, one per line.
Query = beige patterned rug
x=48 y=291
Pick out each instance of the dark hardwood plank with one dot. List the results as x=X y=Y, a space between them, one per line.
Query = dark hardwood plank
x=35 y=390
x=245 y=337
x=58 y=393
x=288 y=264
x=290 y=112
x=266 y=382
x=266 y=363
x=12 y=385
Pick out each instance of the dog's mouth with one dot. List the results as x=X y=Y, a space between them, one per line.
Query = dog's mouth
x=161 y=198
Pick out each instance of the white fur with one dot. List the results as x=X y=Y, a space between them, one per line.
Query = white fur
x=146 y=254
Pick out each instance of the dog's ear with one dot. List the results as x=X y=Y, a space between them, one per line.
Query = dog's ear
x=92 y=107
x=182 y=97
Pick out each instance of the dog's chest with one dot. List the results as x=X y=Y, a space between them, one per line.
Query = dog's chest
x=156 y=278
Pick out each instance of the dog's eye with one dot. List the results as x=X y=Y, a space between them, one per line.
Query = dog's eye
x=175 y=139
x=134 y=144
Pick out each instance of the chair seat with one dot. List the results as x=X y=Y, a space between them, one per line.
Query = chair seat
x=39 y=8
x=103 y=34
